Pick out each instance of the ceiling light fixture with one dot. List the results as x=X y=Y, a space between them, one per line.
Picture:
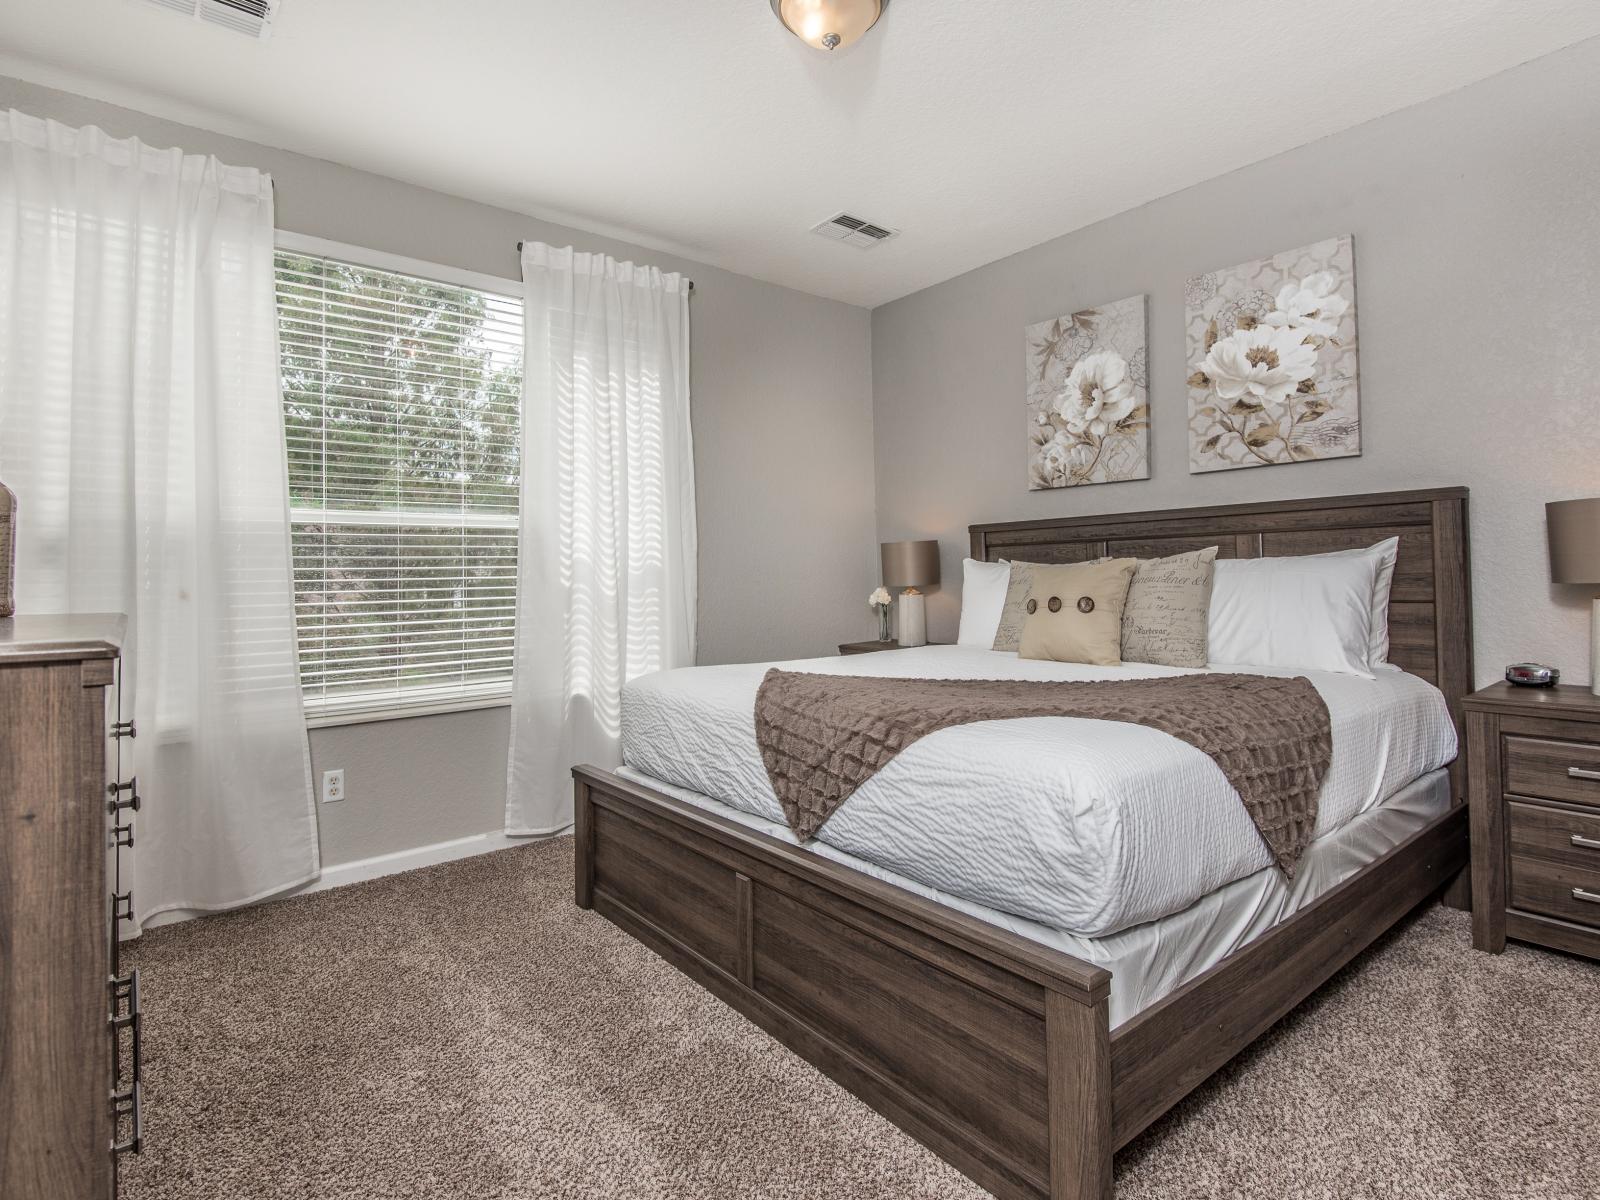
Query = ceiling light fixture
x=828 y=24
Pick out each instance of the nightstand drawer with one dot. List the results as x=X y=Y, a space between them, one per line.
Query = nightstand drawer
x=1556 y=889
x=1558 y=835
x=1553 y=770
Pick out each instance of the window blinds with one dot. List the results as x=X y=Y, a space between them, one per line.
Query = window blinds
x=401 y=400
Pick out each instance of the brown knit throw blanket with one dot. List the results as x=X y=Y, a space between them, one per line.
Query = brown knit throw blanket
x=823 y=736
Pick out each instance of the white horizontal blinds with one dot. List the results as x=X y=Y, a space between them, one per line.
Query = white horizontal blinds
x=401 y=402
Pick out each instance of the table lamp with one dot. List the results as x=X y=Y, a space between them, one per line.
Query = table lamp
x=910 y=565
x=1574 y=529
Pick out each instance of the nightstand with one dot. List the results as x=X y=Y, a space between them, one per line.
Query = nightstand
x=874 y=646
x=867 y=647
x=1533 y=766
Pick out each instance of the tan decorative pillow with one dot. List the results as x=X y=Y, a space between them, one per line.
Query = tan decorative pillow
x=1074 y=612
x=1008 y=635
x=1169 y=604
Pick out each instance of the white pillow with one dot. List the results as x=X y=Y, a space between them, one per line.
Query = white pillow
x=983 y=596
x=1384 y=554
x=1310 y=612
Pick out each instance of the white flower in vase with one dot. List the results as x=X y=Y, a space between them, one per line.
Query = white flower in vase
x=879 y=602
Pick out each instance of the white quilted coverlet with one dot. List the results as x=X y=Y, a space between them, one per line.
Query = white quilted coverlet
x=1085 y=826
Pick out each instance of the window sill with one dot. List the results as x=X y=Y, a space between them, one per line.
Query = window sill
x=362 y=712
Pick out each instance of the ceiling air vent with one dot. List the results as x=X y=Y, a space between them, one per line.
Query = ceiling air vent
x=250 y=17
x=853 y=231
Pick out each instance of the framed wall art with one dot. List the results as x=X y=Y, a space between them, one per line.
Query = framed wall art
x=1088 y=397
x=1272 y=360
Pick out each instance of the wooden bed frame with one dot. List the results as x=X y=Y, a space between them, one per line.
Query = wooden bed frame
x=994 y=1051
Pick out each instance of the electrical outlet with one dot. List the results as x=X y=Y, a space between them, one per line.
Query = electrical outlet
x=332 y=786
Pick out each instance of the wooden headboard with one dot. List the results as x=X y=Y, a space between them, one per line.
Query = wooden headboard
x=1430 y=607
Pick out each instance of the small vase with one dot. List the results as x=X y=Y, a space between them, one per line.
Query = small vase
x=883 y=622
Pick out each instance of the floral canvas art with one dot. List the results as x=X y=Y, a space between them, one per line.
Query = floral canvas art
x=1088 y=397
x=1272 y=360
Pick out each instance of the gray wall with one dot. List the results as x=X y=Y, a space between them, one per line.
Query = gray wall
x=1477 y=232
x=783 y=463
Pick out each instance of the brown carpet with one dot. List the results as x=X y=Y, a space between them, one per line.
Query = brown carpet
x=463 y=1031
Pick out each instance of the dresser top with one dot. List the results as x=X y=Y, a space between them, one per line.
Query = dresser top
x=69 y=636
x=1564 y=700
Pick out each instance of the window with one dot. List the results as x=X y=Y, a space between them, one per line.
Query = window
x=401 y=408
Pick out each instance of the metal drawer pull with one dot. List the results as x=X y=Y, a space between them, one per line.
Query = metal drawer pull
x=129 y=1103
x=1587 y=843
x=1582 y=773
x=1584 y=894
x=116 y=803
x=125 y=991
x=121 y=836
x=121 y=907
x=123 y=729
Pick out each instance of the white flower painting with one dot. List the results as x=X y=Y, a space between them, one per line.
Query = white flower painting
x=1272 y=360
x=1088 y=397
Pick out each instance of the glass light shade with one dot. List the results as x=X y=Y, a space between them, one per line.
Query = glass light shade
x=828 y=24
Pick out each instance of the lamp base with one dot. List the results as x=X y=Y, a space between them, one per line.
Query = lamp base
x=911 y=617
x=1594 y=648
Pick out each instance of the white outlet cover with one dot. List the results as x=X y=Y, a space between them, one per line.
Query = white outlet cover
x=332 y=787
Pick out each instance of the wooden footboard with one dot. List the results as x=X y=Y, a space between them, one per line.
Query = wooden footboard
x=990 y=1049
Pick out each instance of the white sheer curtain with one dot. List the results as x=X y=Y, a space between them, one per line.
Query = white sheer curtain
x=606 y=575
x=141 y=428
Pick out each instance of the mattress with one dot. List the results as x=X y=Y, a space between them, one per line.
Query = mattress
x=1088 y=827
x=1151 y=961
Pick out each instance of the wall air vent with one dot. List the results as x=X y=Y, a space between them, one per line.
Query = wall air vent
x=853 y=231
x=252 y=18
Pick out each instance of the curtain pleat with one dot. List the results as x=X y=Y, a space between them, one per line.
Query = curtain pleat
x=606 y=587
x=141 y=428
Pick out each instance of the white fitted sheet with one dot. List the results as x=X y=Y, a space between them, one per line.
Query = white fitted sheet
x=1149 y=962
x=1084 y=826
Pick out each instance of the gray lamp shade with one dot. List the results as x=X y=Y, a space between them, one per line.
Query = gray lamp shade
x=1574 y=529
x=910 y=564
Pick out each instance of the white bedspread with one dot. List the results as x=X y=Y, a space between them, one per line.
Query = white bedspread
x=1084 y=826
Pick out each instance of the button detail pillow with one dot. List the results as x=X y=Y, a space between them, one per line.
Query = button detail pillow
x=1074 y=613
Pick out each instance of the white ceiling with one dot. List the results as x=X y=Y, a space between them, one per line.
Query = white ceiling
x=700 y=127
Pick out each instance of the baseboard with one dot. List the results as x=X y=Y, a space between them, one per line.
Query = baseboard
x=380 y=865
x=363 y=869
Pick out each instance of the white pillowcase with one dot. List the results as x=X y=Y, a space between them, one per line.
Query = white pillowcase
x=1309 y=612
x=983 y=597
x=1385 y=553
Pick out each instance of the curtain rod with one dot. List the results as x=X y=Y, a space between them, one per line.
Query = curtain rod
x=519 y=251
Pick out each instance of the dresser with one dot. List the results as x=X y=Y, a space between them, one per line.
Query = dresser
x=873 y=647
x=1533 y=766
x=69 y=1021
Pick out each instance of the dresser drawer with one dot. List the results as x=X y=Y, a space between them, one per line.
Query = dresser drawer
x=1553 y=770
x=1556 y=889
x=1559 y=835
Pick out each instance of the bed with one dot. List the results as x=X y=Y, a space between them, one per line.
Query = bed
x=993 y=1031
